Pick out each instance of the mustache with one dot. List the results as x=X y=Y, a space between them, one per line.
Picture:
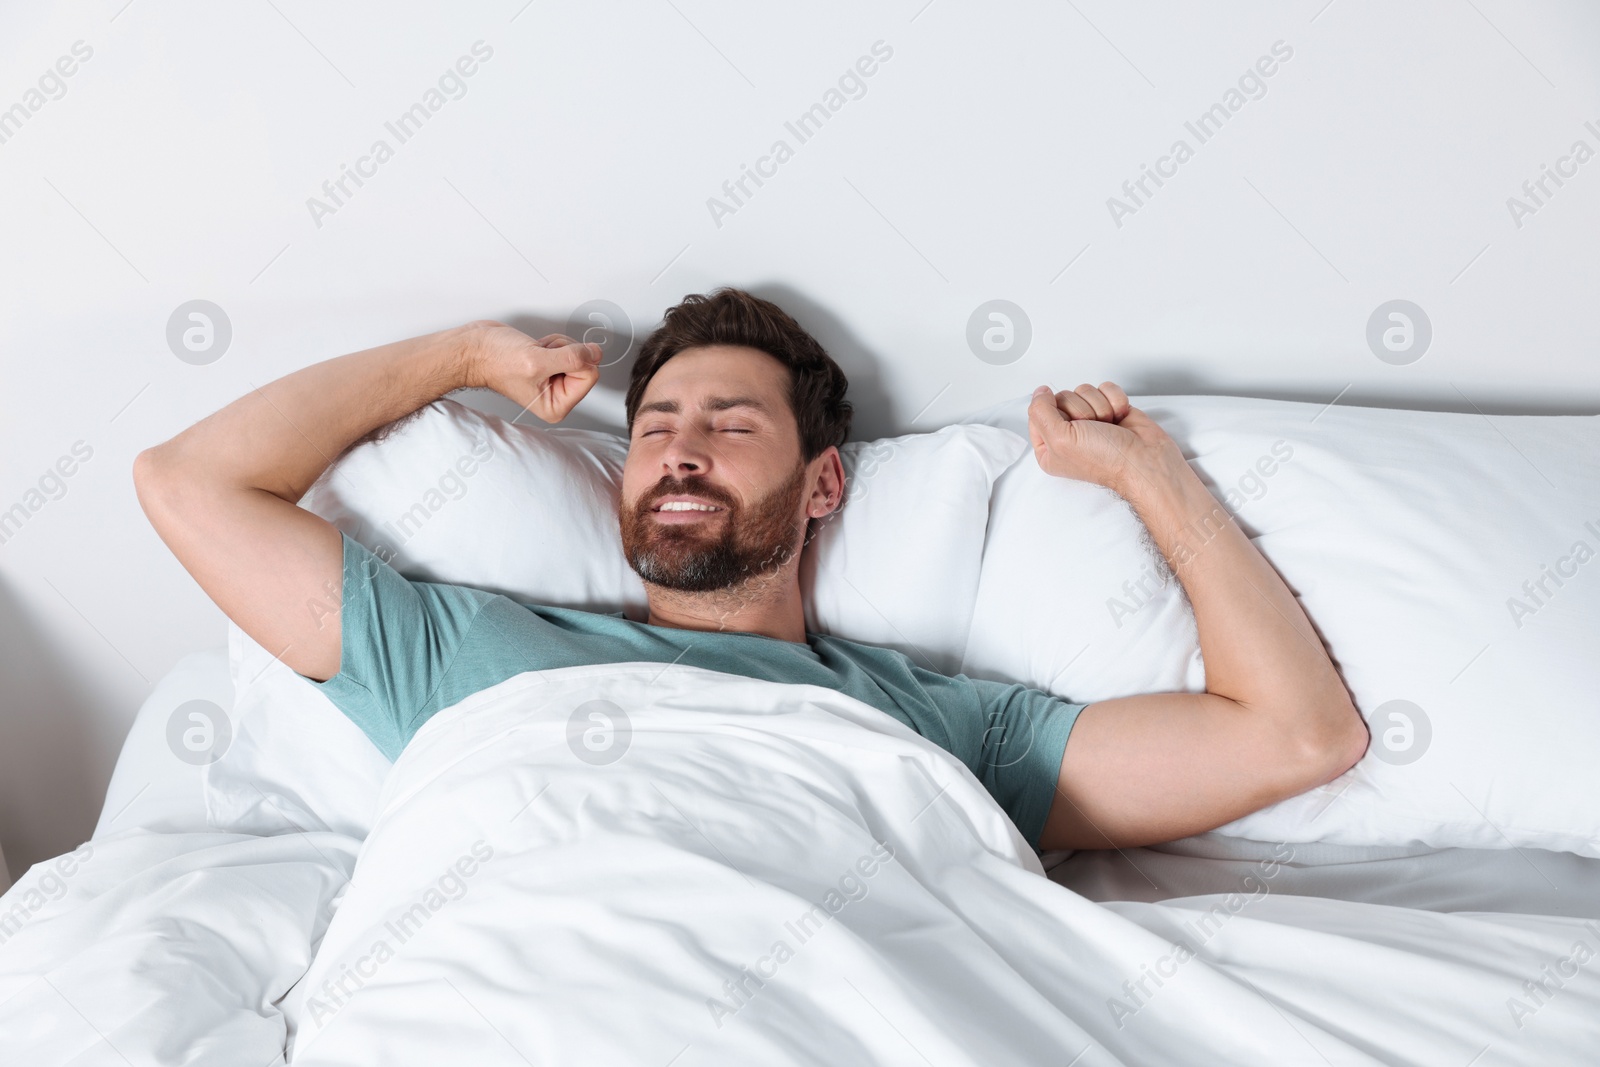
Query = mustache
x=670 y=486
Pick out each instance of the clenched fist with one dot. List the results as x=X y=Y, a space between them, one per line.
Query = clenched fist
x=1095 y=435
x=547 y=377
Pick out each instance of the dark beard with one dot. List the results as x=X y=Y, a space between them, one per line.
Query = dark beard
x=689 y=561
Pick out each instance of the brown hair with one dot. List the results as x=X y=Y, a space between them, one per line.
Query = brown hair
x=735 y=317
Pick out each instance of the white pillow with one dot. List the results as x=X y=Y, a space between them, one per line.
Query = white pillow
x=1408 y=537
x=1074 y=598
x=458 y=496
x=455 y=495
x=898 y=565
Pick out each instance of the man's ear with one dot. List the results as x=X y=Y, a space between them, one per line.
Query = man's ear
x=827 y=491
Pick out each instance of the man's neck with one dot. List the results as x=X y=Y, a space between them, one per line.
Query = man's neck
x=769 y=605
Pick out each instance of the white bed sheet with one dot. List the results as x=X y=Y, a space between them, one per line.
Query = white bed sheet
x=1528 y=881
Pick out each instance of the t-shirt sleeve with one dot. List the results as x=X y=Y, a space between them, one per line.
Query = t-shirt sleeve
x=1019 y=757
x=398 y=639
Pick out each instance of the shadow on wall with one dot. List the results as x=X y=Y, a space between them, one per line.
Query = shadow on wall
x=1176 y=378
x=51 y=787
x=878 y=415
x=874 y=414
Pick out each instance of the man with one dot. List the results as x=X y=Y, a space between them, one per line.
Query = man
x=735 y=416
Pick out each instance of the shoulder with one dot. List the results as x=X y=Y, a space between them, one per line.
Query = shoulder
x=827 y=646
x=880 y=661
x=570 y=620
x=573 y=617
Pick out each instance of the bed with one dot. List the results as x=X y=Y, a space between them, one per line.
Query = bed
x=779 y=874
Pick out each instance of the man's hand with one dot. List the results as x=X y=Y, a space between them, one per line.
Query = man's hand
x=547 y=377
x=1095 y=435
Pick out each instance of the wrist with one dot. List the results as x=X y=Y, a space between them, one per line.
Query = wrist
x=422 y=369
x=1150 y=473
x=460 y=356
x=1182 y=515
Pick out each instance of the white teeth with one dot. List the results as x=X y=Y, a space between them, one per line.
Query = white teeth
x=686 y=505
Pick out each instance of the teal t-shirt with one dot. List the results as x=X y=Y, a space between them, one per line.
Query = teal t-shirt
x=411 y=649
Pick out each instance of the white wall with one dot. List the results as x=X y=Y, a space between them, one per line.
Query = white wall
x=578 y=165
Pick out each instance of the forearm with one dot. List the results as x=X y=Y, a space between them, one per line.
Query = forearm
x=1260 y=649
x=281 y=437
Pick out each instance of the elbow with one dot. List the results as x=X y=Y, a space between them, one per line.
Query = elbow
x=149 y=473
x=1360 y=737
x=1315 y=749
x=1333 y=750
x=159 y=482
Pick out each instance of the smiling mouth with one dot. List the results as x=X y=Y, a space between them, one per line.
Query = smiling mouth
x=683 y=505
x=684 y=509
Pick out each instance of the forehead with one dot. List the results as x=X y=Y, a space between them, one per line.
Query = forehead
x=696 y=374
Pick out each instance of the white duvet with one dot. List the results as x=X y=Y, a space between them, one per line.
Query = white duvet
x=150 y=948
x=647 y=865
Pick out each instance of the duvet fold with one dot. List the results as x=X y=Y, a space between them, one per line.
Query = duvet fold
x=146 y=948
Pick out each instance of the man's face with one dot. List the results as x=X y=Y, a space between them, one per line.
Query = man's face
x=714 y=491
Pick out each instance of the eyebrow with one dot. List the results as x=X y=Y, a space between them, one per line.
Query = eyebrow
x=715 y=403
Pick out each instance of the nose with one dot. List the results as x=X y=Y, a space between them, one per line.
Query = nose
x=687 y=454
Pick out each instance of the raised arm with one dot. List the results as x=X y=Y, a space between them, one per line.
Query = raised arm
x=1275 y=720
x=223 y=493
